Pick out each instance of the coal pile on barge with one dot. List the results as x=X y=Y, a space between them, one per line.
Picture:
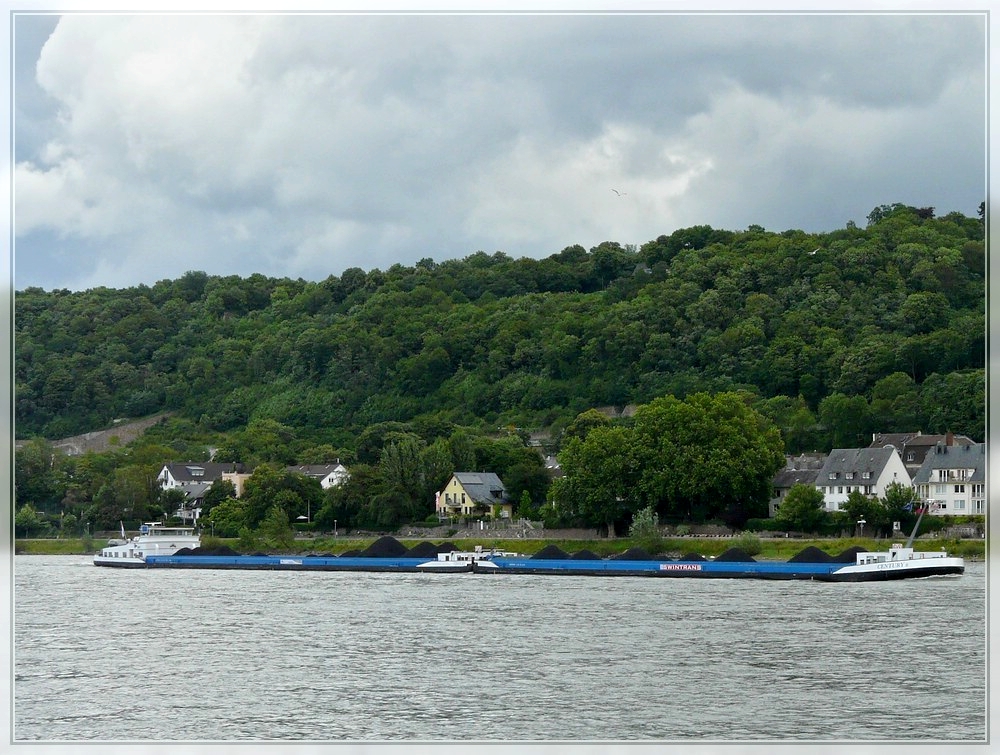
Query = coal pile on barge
x=423 y=550
x=384 y=547
x=735 y=555
x=811 y=555
x=551 y=551
x=634 y=554
x=585 y=555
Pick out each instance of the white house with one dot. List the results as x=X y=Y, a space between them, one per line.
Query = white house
x=914 y=447
x=953 y=479
x=185 y=474
x=329 y=475
x=866 y=470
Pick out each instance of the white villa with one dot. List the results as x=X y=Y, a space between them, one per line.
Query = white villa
x=866 y=470
x=953 y=480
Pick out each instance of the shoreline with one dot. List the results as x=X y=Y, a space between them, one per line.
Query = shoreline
x=771 y=549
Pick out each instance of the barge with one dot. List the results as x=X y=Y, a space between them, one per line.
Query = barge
x=159 y=547
x=896 y=563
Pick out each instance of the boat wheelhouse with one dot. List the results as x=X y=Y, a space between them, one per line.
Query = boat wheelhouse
x=153 y=540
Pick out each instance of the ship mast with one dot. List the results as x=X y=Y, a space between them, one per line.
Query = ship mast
x=909 y=542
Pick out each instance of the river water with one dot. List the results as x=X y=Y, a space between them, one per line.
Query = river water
x=110 y=655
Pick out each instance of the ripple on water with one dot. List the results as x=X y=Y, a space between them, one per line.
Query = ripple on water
x=366 y=657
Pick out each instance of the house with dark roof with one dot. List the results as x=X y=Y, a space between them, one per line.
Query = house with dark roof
x=914 y=447
x=953 y=480
x=184 y=474
x=329 y=475
x=799 y=470
x=866 y=470
x=195 y=477
x=189 y=512
x=474 y=494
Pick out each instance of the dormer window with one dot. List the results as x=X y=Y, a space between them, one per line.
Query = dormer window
x=849 y=475
x=834 y=475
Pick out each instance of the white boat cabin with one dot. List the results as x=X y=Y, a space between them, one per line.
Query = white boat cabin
x=896 y=553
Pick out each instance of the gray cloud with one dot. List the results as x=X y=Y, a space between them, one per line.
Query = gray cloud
x=302 y=145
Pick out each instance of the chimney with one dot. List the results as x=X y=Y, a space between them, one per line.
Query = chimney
x=949 y=439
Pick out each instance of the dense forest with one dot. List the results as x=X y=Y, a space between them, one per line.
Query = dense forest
x=829 y=336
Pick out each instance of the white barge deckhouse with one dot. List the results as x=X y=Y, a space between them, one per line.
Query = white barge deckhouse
x=153 y=540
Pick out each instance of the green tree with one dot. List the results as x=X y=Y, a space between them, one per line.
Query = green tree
x=526 y=508
x=895 y=403
x=173 y=499
x=645 y=530
x=707 y=456
x=859 y=506
x=436 y=463
x=228 y=518
x=68 y=525
x=599 y=479
x=463 y=452
x=345 y=502
x=137 y=492
x=404 y=476
x=802 y=509
x=35 y=479
x=267 y=440
x=275 y=530
x=297 y=494
x=220 y=490
x=584 y=423
x=895 y=506
x=27 y=522
x=528 y=477
x=955 y=402
x=846 y=420
x=104 y=511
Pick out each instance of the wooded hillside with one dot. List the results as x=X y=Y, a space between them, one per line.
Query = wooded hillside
x=836 y=334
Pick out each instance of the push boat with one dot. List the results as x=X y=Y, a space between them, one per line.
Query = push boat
x=153 y=540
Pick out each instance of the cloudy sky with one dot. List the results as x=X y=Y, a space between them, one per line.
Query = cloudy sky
x=301 y=145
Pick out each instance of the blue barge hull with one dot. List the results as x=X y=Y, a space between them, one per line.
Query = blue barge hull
x=823 y=572
x=668 y=569
x=287 y=563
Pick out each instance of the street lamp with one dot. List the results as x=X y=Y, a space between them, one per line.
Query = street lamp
x=334 y=527
x=861 y=524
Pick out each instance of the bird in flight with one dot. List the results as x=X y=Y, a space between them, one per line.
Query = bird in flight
x=619 y=193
